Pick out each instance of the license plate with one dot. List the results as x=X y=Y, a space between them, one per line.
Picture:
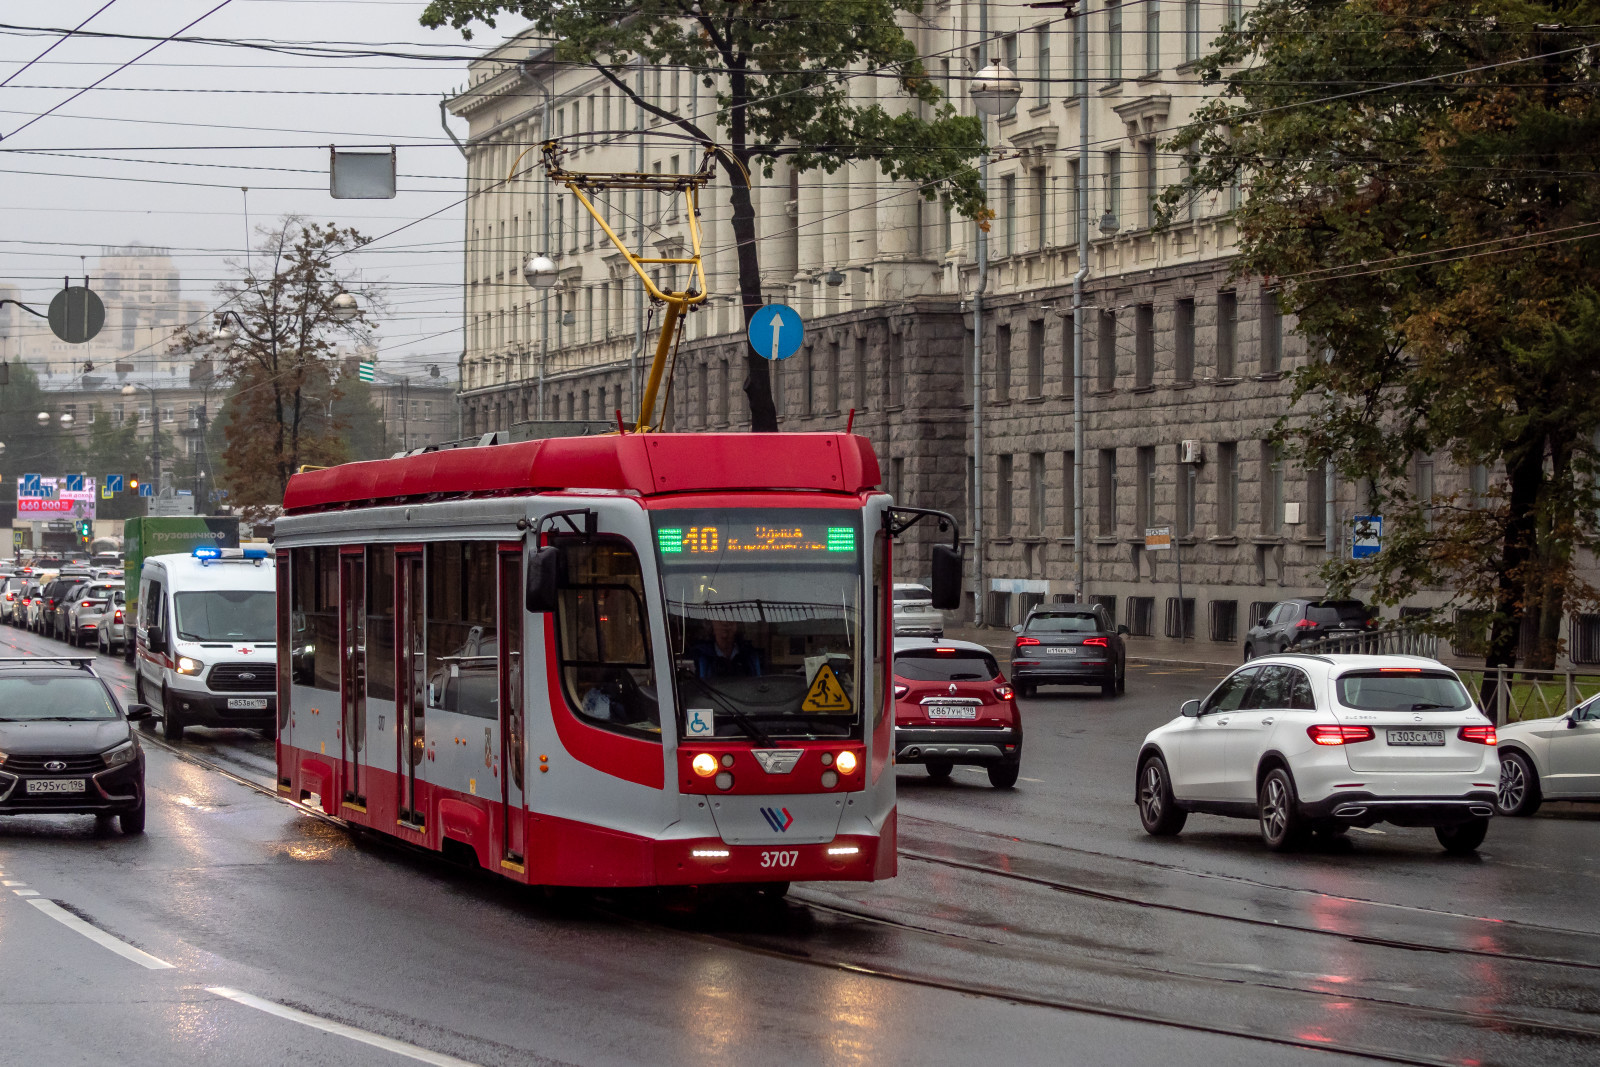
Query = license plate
x=1416 y=737
x=247 y=703
x=55 y=785
x=952 y=713
x=1062 y=651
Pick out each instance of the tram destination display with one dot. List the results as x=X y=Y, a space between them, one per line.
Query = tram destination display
x=780 y=539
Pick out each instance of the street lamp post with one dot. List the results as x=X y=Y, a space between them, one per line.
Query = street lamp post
x=994 y=91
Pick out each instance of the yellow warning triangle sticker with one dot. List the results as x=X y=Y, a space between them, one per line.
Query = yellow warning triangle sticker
x=826 y=694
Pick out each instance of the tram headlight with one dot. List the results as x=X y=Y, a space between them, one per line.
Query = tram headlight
x=845 y=761
x=705 y=764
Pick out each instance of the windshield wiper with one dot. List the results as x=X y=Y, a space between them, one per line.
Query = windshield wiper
x=740 y=719
x=1431 y=707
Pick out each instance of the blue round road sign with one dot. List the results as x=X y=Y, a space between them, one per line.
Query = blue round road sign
x=776 y=331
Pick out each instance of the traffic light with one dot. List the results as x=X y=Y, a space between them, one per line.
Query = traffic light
x=133 y=485
x=85 y=529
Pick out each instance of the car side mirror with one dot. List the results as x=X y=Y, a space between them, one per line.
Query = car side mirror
x=1122 y=631
x=946 y=577
x=1572 y=722
x=544 y=579
x=1191 y=709
x=1017 y=629
x=156 y=638
x=139 y=712
x=1262 y=622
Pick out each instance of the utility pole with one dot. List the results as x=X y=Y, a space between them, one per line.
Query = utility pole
x=978 y=290
x=1080 y=593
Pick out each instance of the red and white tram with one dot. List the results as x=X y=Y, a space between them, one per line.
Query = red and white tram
x=645 y=659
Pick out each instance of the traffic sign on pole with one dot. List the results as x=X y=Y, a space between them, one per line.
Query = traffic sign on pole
x=30 y=485
x=776 y=331
x=74 y=483
x=147 y=489
x=1367 y=536
x=114 y=483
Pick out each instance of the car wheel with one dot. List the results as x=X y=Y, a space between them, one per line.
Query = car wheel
x=132 y=822
x=1158 y=811
x=1026 y=689
x=171 y=728
x=1518 y=793
x=939 y=768
x=1122 y=679
x=1004 y=775
x=1108 y=689
x=1462 y=838
x=1282 y=827
x=1249 y=652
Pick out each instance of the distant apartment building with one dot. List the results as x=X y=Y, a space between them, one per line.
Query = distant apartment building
x=1185 y=366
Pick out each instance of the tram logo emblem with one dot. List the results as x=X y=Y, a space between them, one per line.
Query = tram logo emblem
x=777 y=760
x=778 y=818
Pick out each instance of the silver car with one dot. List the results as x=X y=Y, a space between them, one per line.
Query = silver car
x=87 y=610
x=914 y=613
x=11 y=596
x=111 y=631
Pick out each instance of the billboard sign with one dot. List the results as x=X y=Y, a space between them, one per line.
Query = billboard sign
x=53 y=500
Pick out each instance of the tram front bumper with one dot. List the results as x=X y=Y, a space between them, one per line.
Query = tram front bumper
x=710 y=860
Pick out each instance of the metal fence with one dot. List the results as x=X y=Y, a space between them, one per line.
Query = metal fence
x=1398 y=641
x=1508 y=694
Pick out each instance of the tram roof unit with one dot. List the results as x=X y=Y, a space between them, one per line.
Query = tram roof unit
x=648 y=464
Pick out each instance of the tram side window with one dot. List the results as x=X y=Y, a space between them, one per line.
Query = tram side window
x=314 y=618
x=604 y=645
x=380 y=623
x=463 y=654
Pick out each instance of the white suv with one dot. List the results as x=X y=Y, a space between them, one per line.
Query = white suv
x=1312 y=743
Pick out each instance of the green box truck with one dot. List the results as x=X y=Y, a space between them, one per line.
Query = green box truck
x=144 y=537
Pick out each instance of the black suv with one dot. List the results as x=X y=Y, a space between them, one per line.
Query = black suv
x=52 y=595
x=1069 y=644
x=1293 y=621
x=65 y=744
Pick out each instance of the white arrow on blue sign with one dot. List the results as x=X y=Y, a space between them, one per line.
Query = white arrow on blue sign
x=776 y=331
x=74 y=483
x=30 y=485
x=114 y=483
x=147 y=489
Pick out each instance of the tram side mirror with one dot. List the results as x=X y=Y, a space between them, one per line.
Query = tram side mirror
x=946 y=577
x=544 y=579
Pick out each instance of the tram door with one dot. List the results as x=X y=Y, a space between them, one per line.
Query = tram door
x=353 y=672
x=513 y=734
x=410 y=697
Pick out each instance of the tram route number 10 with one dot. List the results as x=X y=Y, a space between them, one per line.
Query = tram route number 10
x=780 y=858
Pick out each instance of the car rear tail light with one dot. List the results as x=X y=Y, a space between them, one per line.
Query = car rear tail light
x=1004 y=692
x=87 y=604
x=1097 y=642
x=901 y=690
x=1304 y=624
x=11 y=596
x=1478 y=735
x=118 y=616
x=1023 y=642
x=1328 y=734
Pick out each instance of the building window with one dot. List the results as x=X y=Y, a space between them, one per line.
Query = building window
x=895 y=371
x=1114 y=39
x=1002 y=496
x=1041 y=210
x=1152 y=36
x=1271 y=489
x=1145 y=492
x=1002 y=364
x=809 y=391
x=1036 y=358
x=1316 y=499
x=1191 y=30
x=1041 y=85
x=1235 y=12
x=1036 y=493
x=1183 y=340
x=1106 y=357
x=1114 y=186
x=1151 y=190
x=1144 y=346
x=724 y=405
x=1271 y=332
x=861 y=372
x=1478 y=481
x=833 y=376
x=1068 y=339
x=1188 y=482
x=1227 y=333
x=1227 y=488
x=1107 y=487
x=1069 y=497
x=1008 y=201
x=1425 y=490
x=1075 y=202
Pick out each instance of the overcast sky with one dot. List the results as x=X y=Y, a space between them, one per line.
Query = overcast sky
x=160 y=151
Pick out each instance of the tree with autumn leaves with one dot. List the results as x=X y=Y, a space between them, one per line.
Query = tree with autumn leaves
x=1421 y=190
x=782 y=71
x=285 y=405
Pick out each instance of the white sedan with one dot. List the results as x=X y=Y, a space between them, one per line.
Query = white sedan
x=1550 y=759
x=1314 y=743
x=914 y=613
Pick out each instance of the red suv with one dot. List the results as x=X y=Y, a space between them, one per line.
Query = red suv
x=952 y=705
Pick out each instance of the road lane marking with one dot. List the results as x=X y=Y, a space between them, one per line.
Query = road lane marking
x=99 y=936
x=26 y=892
x=9 y=884
x=327 y=1026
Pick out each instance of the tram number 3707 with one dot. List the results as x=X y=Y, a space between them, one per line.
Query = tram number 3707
x=780 y=857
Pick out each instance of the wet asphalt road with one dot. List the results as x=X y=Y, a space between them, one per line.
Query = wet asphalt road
x=1032 y=926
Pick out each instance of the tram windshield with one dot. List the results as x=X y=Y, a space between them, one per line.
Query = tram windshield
x=764 y=614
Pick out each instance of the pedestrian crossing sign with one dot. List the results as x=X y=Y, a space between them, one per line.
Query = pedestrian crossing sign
x=826 y=694
x=366 y=371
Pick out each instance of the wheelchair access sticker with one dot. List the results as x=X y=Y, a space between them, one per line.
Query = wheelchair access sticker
x=702 y=722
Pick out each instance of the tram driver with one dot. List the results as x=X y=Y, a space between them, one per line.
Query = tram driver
x=726 y=654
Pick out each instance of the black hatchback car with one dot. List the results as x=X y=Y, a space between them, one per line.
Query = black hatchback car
x=65 y=744
x=1293 y=621
x=1069 y=645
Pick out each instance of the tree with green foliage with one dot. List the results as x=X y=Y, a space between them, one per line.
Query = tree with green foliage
x=782 y=74
x=29 y=447
x=1420 y=189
